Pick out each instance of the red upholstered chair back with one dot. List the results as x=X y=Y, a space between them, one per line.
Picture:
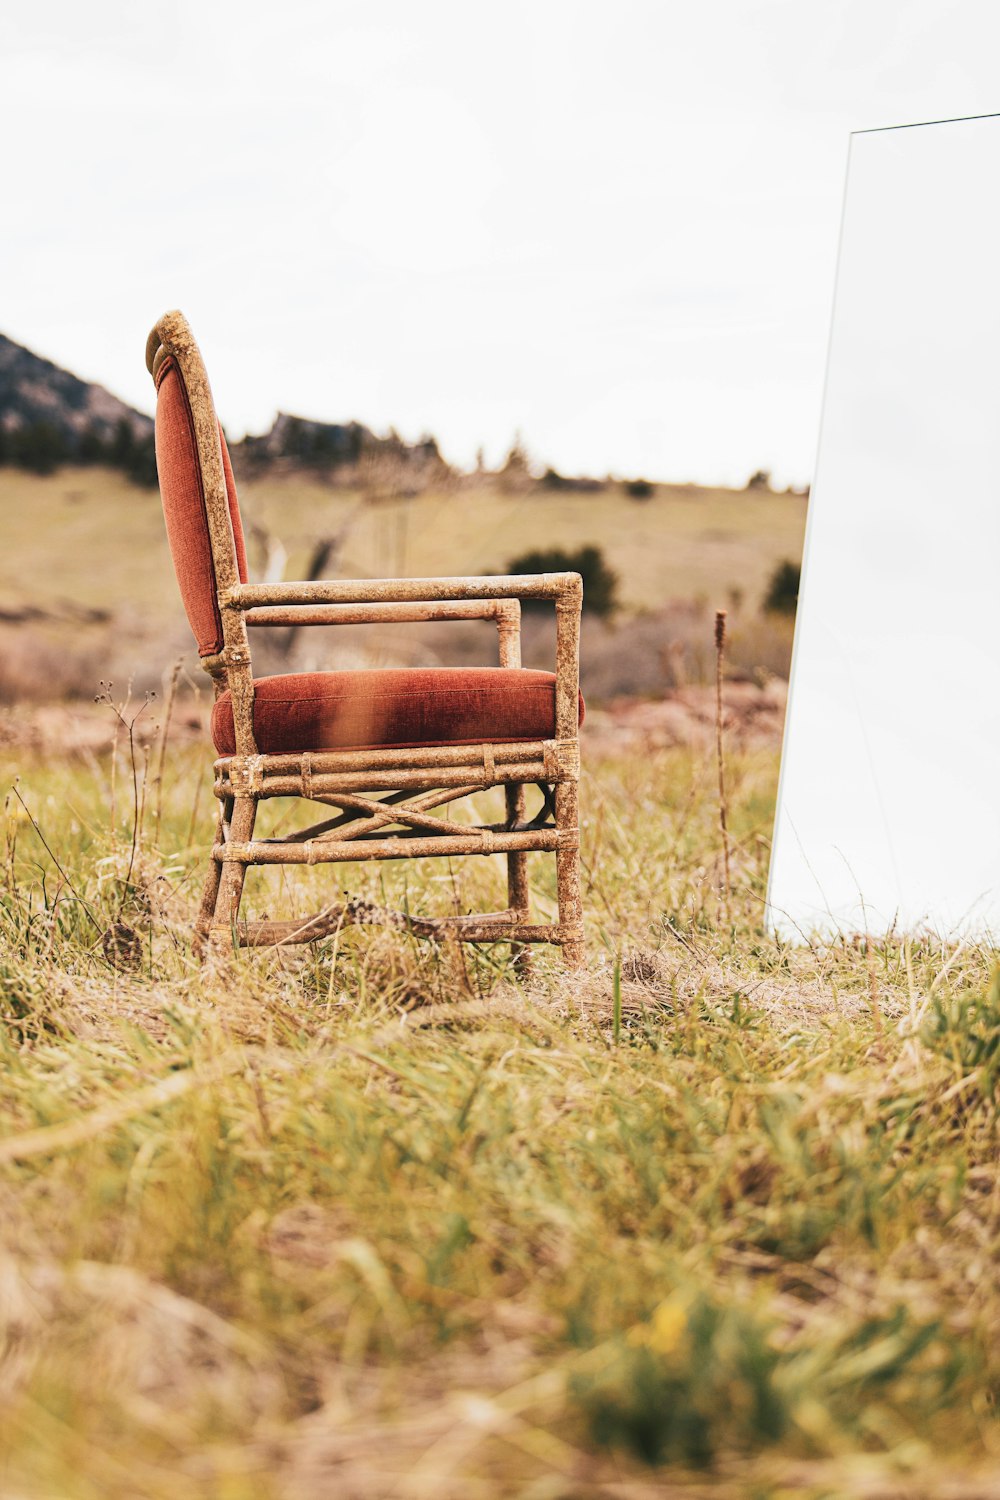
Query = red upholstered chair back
x=200 y=504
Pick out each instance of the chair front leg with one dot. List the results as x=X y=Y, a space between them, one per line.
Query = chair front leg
x=568 y=872
x=241 y=825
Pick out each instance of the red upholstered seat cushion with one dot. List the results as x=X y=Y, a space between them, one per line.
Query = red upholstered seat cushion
x=183 y=496
x=394 y=707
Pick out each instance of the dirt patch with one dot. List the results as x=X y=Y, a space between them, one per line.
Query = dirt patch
x=753 y=718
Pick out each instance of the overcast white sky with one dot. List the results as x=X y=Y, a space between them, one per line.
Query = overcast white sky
x=612 y=226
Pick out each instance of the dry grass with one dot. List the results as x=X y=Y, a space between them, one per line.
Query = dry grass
x=719 y=1218
x=687 y=542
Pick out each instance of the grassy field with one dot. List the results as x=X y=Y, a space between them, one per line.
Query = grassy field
x=108 y=540
x=716 y=1219
x=84 y=540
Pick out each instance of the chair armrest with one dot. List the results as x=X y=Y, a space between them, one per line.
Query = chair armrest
x=564 y=588
x=505 y=613
x=404 y=613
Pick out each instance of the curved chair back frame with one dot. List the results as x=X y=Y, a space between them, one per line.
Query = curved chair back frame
x=171 y=336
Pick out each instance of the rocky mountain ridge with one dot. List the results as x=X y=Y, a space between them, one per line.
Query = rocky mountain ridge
x=49 y=417
x=33 y=390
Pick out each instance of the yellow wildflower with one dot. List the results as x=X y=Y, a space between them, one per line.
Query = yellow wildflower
x=666 y=1329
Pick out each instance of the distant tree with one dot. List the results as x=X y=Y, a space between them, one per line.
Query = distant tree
x=516 y=471
x=92 y=449
x=39 y=447
x=600 y=583
x=575 y=483
x=141 y=463
x=760 y=479
x=782 y=595
x=42 y=447
x=638 y=489
x=122 y=447
x=355 y=440
x=323 y=448
x=292 y=439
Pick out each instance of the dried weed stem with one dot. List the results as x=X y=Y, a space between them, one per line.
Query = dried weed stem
x=720 y=651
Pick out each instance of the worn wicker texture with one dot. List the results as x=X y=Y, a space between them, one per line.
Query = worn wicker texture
x=401 y=823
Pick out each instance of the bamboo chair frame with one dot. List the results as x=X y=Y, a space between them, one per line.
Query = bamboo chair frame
x=399 y=825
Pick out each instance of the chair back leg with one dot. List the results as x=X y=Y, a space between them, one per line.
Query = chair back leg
x=518 y=896
x=518 y=893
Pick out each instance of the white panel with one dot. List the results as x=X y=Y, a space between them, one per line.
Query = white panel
x=889 y=804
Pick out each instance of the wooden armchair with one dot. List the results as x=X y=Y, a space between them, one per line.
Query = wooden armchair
x=383 y=748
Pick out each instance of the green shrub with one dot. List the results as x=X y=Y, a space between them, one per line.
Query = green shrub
x=600 y=583
x=965 y=1028
x=693 y=1380
x=782 y=595
x=638 y=489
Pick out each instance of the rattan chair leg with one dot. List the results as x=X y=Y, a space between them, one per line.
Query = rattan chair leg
x=568 y=873
x=518 y=893
x=210 y=890
x=206 y=911
x=227 y=907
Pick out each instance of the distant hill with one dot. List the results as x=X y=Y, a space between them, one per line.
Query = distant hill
x=298 y=437
x=329 y=447
x=34 y=390
x=50 y=417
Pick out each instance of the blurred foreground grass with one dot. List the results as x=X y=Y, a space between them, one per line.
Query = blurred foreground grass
x=717 y=1218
